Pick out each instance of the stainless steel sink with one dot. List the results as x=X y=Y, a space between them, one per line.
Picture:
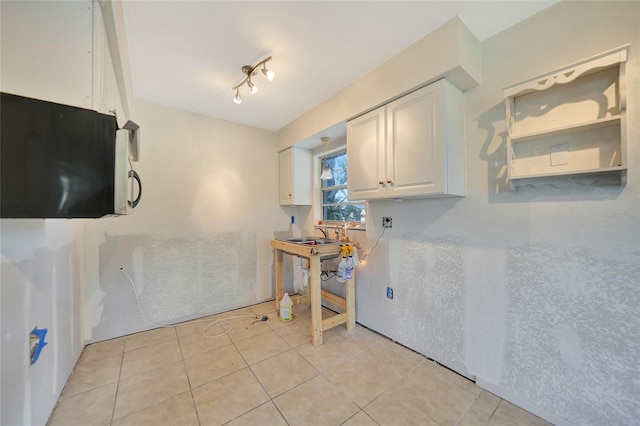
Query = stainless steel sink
x=311 y=241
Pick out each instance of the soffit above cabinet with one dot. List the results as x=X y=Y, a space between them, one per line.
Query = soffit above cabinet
x=450 y=51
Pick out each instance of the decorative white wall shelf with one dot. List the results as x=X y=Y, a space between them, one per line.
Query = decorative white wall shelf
x=569 y=122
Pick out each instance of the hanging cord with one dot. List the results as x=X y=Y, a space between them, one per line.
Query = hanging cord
x=225 y=321
x=329 y=275
x=364 y=256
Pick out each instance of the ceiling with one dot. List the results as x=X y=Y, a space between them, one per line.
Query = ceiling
x=189 y=54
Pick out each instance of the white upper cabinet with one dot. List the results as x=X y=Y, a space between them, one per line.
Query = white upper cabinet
x=295 y=177
x=569 y=122
x=367 y=156
x=412 y=147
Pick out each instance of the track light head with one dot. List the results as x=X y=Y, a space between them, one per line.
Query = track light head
x=270 y=74
x=326 y=172
x=252 y=87
x=237 y=99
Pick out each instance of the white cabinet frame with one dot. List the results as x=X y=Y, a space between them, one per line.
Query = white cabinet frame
x=412 y=147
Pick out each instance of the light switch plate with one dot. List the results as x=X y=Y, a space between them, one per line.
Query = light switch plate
x=559 y=155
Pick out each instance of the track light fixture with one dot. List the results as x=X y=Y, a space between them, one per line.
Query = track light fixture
x=250 y=71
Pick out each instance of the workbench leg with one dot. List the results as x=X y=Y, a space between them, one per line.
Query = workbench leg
x=351 y=303
x=316 y=300
x=279 y=280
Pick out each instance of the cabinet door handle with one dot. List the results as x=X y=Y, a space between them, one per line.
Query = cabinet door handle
x=390 y=182
x=381 y=183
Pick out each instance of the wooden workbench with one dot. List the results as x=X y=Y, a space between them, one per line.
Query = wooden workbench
x=315 y=254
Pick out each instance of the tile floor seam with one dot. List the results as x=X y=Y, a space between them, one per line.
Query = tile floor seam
x=295 y=387
x=61 y=398
x=268 y=395
x=258 y=362
x=115 y=399
x=494 y=411
x=347 y=396
x=220 y=377
x=389 y=387
x=356 y=413
x=249 y=337
x=466 y=410
x=186 y=371
x=381 y=393
x=158 y=327
x=281 y=413
x=241 y=356
x=317 y=373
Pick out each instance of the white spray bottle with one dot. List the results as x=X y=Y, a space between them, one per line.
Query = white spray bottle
x=342 y=267
x=349 y=268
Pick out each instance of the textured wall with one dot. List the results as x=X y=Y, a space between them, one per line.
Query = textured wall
x=199 y=241
x=576 y=314
x=430 y=269
x=534 y=292
x=175 y=277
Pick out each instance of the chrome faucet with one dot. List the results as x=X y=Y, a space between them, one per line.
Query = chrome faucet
x=324 y=231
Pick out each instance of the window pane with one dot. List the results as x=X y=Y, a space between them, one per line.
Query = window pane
x=335 y=202
x=334 y=197
x=343 y=212
x=338 y=166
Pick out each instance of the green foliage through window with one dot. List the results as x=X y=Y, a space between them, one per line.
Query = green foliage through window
x=336 y=205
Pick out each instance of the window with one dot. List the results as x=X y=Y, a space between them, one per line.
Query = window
x=336 y=205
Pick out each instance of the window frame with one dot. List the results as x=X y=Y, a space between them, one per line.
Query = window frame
x=341 y=187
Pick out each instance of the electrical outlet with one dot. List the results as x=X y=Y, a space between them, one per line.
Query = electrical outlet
x=389 y=293
x=386 y=222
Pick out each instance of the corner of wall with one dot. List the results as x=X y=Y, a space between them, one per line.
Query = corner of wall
x=470 y=57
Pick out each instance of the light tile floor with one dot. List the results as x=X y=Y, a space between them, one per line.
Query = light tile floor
x=268 y=373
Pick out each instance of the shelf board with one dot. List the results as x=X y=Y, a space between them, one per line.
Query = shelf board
x=611 y=58
x=559 y=131
x=569 y=173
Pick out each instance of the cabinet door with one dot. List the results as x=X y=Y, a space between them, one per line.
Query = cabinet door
x=415 y=151
x=366 y=149
x=286 y=177
x=295 y=177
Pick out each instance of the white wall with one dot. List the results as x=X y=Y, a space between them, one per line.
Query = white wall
x=46 y=50
x=199 y=242
x=46 y=54
x=535 y=292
